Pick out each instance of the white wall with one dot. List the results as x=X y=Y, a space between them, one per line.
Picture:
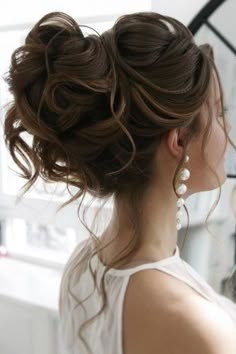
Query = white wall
x=25 y=11
x=182 y=10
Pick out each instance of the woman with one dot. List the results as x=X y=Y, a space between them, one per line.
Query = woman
x=135 y=114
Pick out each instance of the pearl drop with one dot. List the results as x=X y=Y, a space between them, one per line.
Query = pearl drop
x=186 y=158
x=181 y=189
x=179 y=213
x=178 y=226
x=180 y=202
x=184 y=174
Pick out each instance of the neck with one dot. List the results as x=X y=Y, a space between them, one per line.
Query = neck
x=158 y=232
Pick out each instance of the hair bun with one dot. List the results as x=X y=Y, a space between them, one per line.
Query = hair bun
x=59 y=82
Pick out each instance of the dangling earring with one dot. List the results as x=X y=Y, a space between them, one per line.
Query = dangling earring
x=181 y=189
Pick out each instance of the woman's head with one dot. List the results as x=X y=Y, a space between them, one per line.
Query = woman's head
x=89 y=101
x=100 y=107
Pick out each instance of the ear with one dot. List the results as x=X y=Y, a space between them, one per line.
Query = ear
x=174 y=142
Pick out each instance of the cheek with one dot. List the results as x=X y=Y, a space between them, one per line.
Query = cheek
x=201 y=177
x=213 y=153
x=216 y=146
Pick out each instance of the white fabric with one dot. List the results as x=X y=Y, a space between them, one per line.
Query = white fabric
x=104 y=335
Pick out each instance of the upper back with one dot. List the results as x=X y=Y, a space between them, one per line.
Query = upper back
x=161 y=307
x=163 y=315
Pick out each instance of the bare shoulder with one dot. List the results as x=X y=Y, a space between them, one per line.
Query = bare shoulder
x=161 y=314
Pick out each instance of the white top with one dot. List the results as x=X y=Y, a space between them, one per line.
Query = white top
x=104 y=335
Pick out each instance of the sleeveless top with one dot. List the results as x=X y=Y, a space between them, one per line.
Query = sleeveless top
x=104 y=335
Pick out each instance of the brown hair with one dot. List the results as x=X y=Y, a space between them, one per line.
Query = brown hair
x=97 y=107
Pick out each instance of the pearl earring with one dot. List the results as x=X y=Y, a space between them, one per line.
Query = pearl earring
x=181 y=189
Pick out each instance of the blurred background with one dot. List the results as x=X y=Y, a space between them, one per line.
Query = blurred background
x=36 y=241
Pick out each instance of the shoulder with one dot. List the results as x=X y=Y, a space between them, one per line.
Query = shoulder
x=161 y=315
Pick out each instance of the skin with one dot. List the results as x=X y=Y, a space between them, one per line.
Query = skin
x=159 y=206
